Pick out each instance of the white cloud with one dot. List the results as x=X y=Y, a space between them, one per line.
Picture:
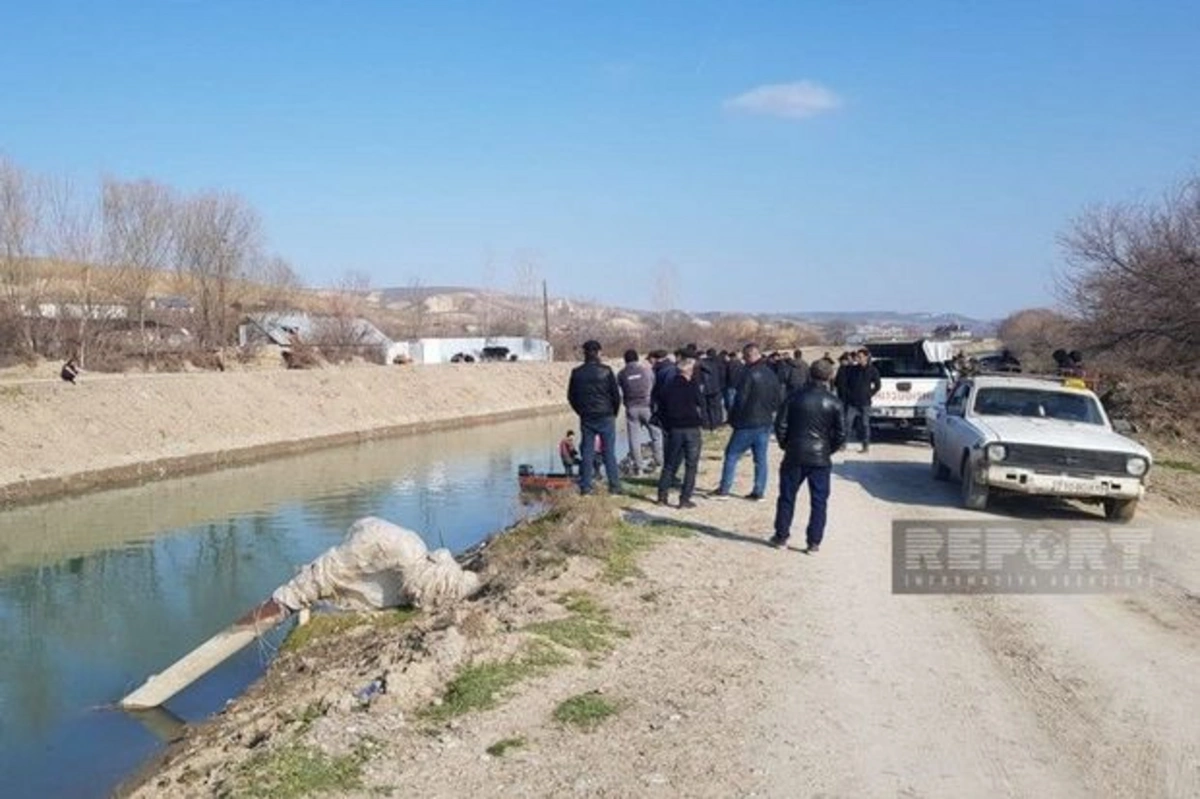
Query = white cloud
x=799 y=100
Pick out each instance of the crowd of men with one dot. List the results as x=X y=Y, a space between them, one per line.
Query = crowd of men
x=671 y=398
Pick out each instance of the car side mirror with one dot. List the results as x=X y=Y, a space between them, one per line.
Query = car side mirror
x=1124 y=427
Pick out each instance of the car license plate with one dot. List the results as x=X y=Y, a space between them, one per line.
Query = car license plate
x=1065 y=485
x=896 y=413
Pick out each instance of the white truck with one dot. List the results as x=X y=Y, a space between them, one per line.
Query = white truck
x=914 y=378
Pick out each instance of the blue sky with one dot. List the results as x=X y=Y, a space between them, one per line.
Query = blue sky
x=781 y=155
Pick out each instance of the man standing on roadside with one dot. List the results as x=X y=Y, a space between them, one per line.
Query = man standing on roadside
x=810 y=427
x=595 y=396
x=862 y=383
x=680 y=411
x=664 y=372
x=758 y=397
x=637 y=384
x=733 y=375
x=792 y=372
x=712 y=386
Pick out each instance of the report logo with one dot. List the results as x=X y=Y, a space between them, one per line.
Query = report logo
x=1019 y=557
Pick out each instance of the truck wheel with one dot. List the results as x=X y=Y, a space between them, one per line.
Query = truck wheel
x=940 y=471
x=974 y=494
x=1120 y=510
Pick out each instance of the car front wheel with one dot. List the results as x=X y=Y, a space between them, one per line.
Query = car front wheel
x=974 y=493
x=1120 y=510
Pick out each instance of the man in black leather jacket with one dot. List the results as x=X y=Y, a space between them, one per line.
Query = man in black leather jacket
x=594 y=395
x=810 y=427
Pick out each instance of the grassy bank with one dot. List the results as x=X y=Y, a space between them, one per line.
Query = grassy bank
x=309 y=727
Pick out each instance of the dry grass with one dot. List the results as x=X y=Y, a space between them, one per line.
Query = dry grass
x=573 y=525
x=1165 y=407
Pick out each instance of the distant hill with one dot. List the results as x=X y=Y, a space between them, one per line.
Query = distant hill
x=445 y=310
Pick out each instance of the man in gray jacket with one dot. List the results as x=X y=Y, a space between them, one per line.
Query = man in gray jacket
x=637 y=384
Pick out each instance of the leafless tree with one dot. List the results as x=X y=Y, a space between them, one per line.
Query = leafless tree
x=342 y=335
x=277 y=282
x=217 y=237
x=666 y=286
x=527 y=282
x=139 y=226
x=837 y=331
x=418 y=309
x=1133 y=278
x=73 y=239
x=20 y=284
x=1034 y=334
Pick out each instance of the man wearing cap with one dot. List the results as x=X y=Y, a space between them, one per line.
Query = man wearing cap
x=595 y=396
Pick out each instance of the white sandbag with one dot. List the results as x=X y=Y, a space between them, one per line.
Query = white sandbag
x=379 y=565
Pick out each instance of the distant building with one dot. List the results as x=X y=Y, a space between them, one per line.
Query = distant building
x=445 y=350
x=176 y=304
x=289 y=329
x=75 y=310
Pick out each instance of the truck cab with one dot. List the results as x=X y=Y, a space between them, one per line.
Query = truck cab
x=914 y=379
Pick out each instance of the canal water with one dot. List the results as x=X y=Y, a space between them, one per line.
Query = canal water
x=100 y=591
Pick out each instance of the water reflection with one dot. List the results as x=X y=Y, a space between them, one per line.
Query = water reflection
x=98 y=592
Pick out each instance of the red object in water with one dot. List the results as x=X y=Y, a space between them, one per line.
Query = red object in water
x=552 y=481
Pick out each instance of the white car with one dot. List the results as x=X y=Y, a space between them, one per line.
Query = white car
x=1038 y=436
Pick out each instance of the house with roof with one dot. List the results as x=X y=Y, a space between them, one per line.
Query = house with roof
x=289 y=329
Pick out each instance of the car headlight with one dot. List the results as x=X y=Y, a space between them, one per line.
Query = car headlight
x=997 y=452
x=1136 y=466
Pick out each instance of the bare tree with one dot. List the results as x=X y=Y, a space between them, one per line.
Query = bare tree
x=138 y=221
x=666 y=284
x=73 y=239
x=217 y=237
x=838 y=331
x=527 y=284
x=342 y=335
x=1034 y=334
x=418 y=309
x=277 y=282
x=1133 y=278
x=20 y=283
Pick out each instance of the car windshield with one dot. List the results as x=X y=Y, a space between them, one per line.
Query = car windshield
x=1041 y=403
x=908 y=366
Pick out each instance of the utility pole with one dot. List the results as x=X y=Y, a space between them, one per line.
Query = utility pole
x=546 y=309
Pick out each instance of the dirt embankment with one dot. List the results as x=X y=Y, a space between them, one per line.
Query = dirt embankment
x=107 y=430
x=673 y=654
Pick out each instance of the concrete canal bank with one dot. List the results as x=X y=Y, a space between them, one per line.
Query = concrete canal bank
x=108 y=431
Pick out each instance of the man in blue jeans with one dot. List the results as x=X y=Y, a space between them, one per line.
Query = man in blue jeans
x=810 y=427
x=758 y=396
x=595 y=396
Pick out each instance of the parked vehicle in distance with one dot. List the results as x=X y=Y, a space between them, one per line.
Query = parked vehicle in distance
x=1036 y=436
x=914 y=378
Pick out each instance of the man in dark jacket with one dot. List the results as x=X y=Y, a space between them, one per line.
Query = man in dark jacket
x=862 y=383
x=792 y=372
x=712 y=387
x=810 y=427
x=595 y=396
x=679 y=411
x=664 y=372
x=758 y=397
x=733 y=373
x=844 y=363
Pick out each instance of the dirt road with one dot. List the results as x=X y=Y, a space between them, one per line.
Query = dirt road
x=756 y=672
